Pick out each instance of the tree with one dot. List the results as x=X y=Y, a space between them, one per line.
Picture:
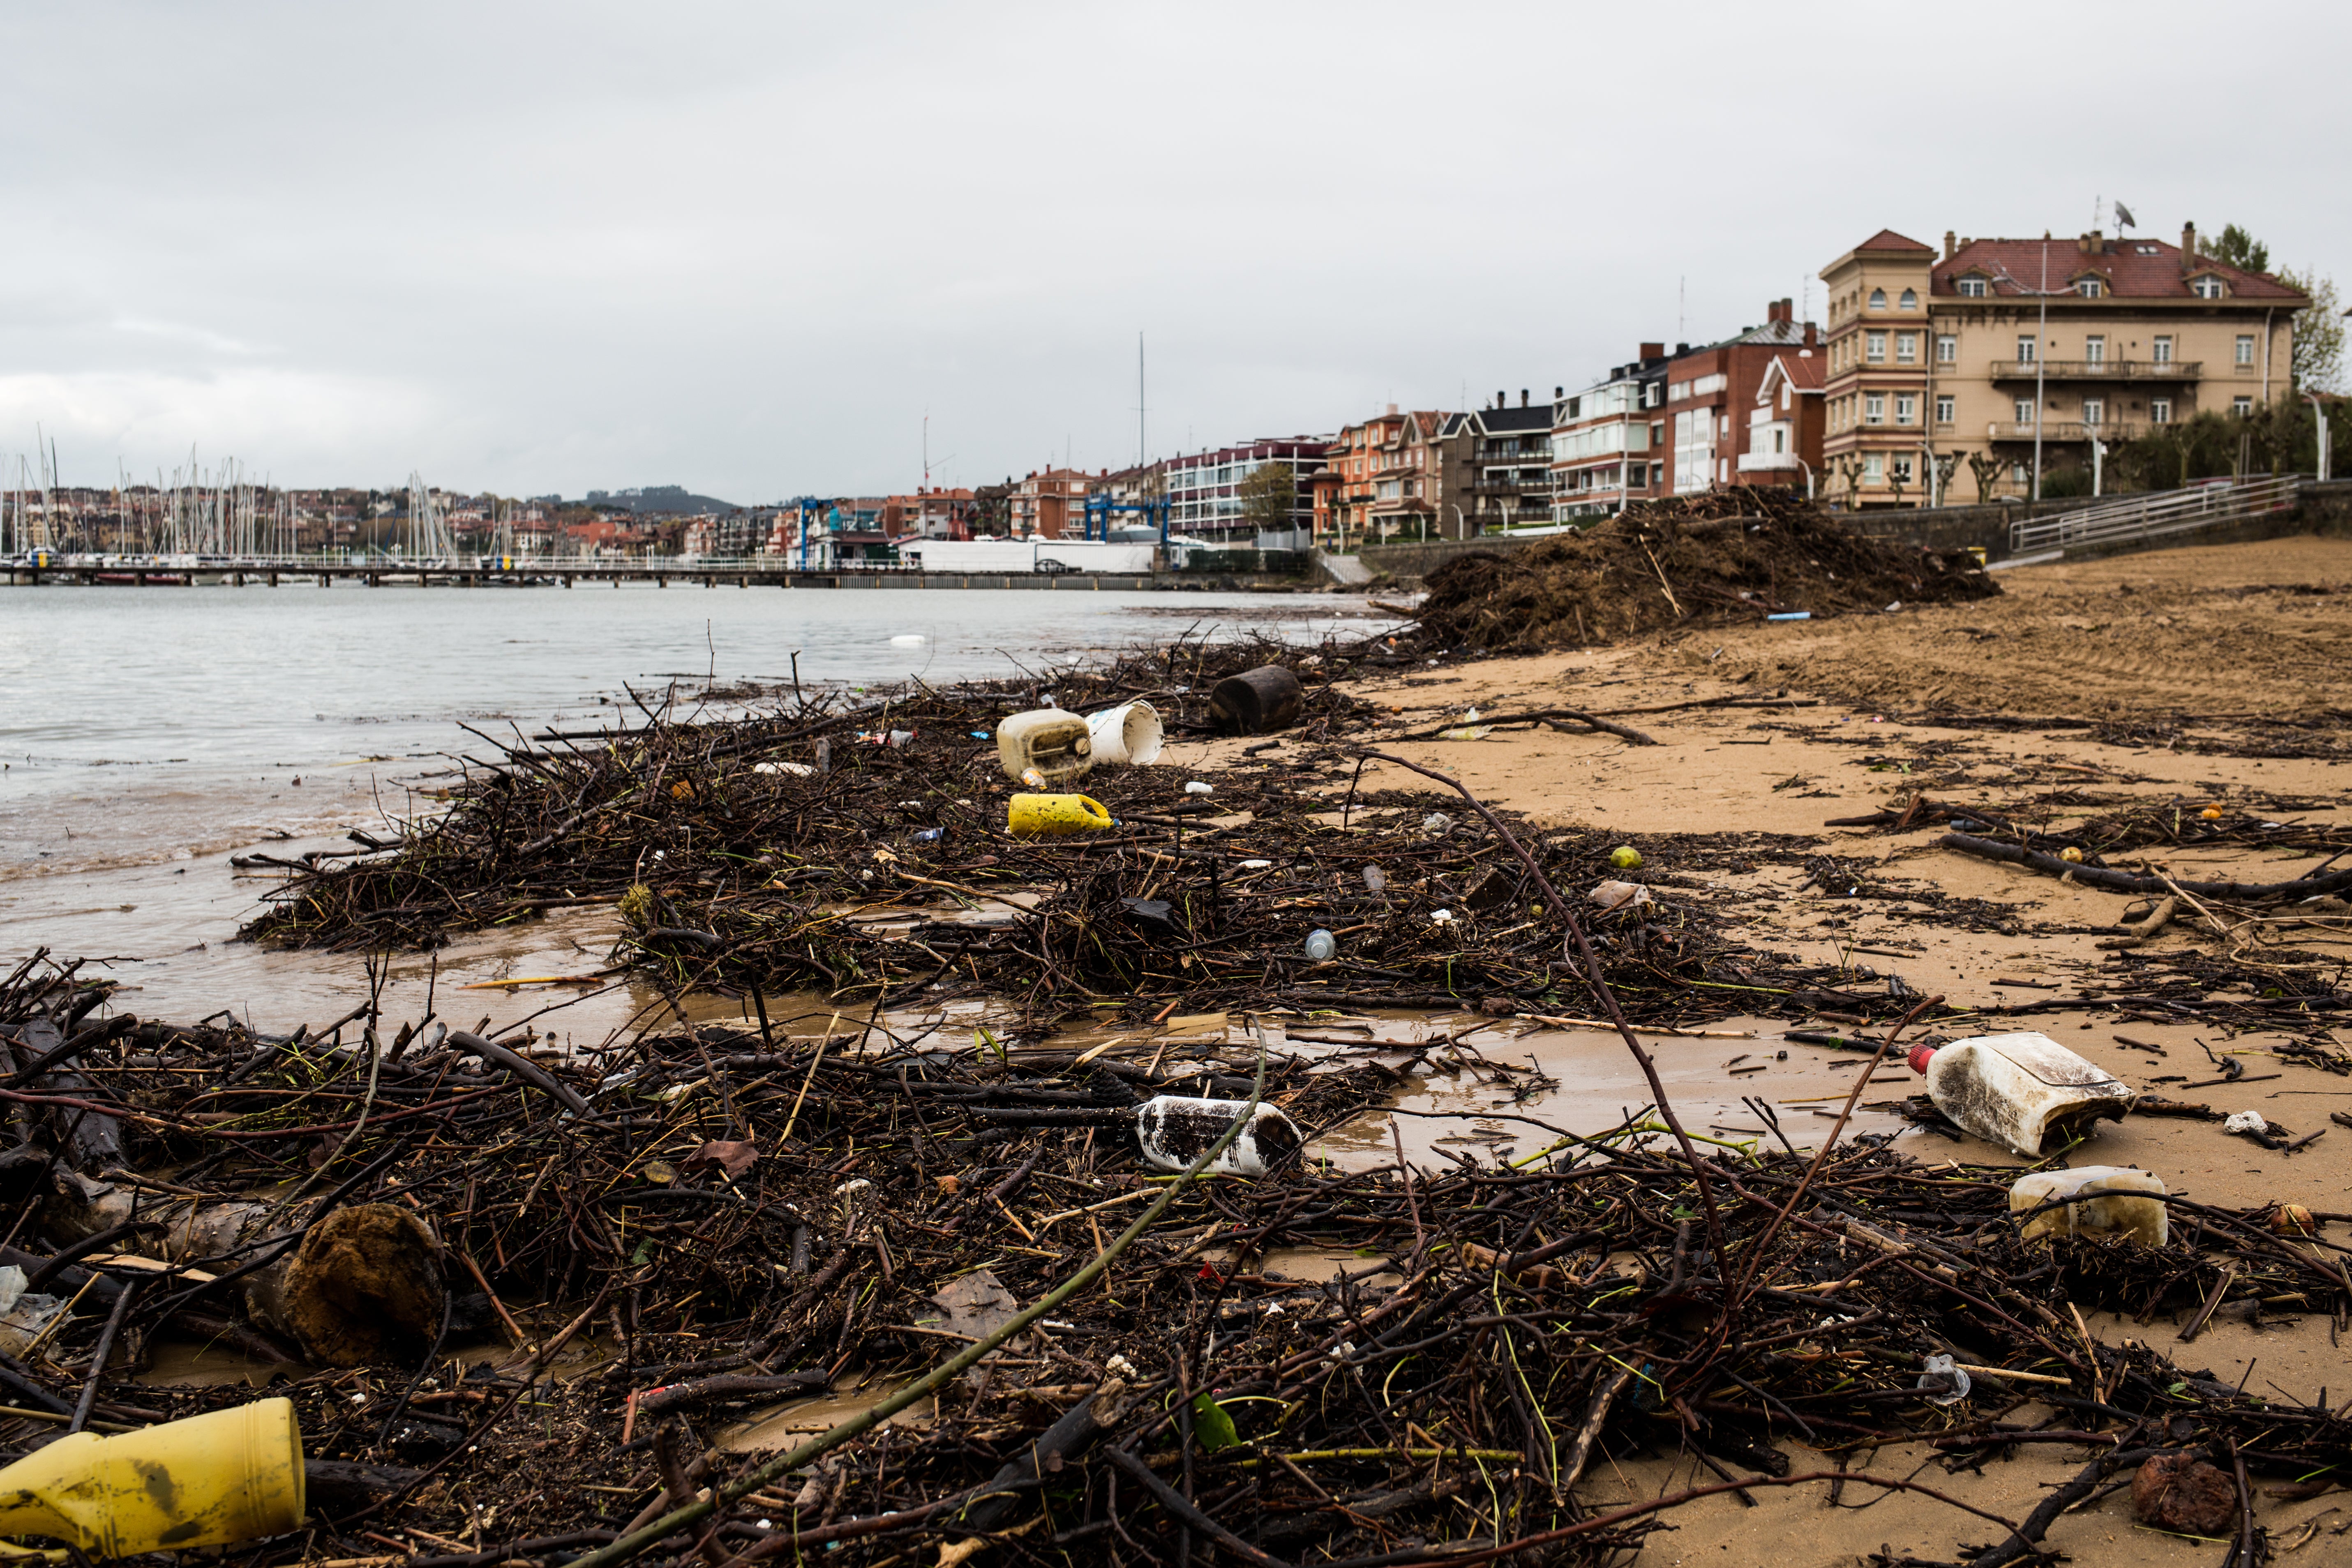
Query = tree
x=1984 y=467
x=2318 y=360
x=1269 y=494
x=2233 y=246
x=1947 y=464
x=1849 y=471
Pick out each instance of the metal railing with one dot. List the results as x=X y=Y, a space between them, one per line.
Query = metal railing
x=2066 y=430
x=2166 y=512
x=2099 y=370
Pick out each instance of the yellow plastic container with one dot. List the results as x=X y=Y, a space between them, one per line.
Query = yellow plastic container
x=210 y=1480
x=1055 y=815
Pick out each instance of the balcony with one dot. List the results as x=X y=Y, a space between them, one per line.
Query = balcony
x=1538 y=485
x=2096 y=370
x=1767 y=462
x=2112 y=431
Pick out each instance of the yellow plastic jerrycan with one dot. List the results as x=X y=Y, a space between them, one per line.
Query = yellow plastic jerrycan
x=209 y=1481
x=1055 y=815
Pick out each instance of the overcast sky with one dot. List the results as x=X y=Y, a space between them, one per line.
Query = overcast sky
x=747 y=248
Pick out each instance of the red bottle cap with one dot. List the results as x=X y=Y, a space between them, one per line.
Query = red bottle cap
x=1920 y=1055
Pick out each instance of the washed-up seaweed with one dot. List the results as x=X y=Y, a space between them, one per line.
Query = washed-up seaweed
x=650 y=1251
x=1720 y=557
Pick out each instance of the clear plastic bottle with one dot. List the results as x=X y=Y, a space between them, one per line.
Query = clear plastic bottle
x=1321 y=944
x=1374 y=880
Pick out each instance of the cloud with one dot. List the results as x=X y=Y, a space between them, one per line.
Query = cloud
x=276 y=421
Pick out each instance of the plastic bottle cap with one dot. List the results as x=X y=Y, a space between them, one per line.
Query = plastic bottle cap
x=1920 y=1055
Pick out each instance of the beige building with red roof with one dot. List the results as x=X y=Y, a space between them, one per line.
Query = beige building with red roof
x=1943 y=368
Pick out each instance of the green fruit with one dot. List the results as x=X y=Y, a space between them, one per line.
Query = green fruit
x=1625 y=857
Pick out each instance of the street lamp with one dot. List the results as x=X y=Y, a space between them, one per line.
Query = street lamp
x=1809 y=476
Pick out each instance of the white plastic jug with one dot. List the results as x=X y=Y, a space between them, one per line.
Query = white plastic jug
x=2022 y=1091
x=2113 y=1201
x=1053 y=741
x=1129 y=735
x=1174 y=1129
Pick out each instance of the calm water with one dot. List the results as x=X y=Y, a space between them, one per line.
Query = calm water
x=145 y=731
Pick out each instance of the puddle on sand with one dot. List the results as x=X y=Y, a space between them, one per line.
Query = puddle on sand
x=784 y=1425
x=1469 y=1107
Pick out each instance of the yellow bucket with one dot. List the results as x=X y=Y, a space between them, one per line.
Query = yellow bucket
x=1053 y=816
x=209 y=1481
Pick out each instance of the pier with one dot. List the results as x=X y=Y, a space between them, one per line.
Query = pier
x=573 y=573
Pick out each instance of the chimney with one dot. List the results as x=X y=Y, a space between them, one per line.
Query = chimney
x=1950 y=248
x=1558 y=393
x=1502 y=400
x=1813 y=334
x=1523 y=397
x=1655 y=350
x=1779 y=311
x=2187 y=244
x=1391 y=410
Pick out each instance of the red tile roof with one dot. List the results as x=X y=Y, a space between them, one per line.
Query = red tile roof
x=1806 y=374
x=1887 y=239
x=2133 y=269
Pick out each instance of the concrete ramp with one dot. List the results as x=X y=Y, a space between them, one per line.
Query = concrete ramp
x=1347 y=571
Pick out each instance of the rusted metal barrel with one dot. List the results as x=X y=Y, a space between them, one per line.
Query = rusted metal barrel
x=1256 y=700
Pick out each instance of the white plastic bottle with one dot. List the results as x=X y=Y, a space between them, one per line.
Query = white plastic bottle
x=2108 y=1200
x=2025 y=1092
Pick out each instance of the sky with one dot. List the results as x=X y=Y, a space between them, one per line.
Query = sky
x=763 y=250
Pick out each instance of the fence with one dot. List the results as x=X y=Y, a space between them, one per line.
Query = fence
x=2145 y=517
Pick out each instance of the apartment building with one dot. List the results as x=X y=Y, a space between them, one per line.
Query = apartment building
x=1050 y=503
x=1203 y=489
x=1510 y=457
x=1710 y=394
x=1966 y=357
x=1606 y=445
x=931 y=512
x=1397 y=475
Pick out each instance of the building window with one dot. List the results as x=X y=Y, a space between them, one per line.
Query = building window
x=1902 y=470
x=1910 y=300
x=1943 y=409
x=1657 y=475
x=2025 y=411
x=2094 y=410
x=2017 y=473
x=1972 y=288
x=2245 y=348
x=2090 y=288
x=1948 y=349
x=1874 y=469
x=2242 y=407
x=1906 y=408
x=1874 y=352
x=2208 y=288
x=1878 y=298
x=2162 y=350
x=1907 y=348
x=2160 y=411
x=2094 y=351
x=1874 y=408
x=2025 y=350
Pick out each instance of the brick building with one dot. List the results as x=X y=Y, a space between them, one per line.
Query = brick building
x=1710 y=393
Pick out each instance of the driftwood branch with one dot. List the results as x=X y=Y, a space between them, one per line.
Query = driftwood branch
x=2134 y=882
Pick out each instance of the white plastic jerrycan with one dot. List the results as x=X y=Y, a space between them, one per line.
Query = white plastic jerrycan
x=2108 y=1200
x=2025 y=1092
x=1054 y=742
